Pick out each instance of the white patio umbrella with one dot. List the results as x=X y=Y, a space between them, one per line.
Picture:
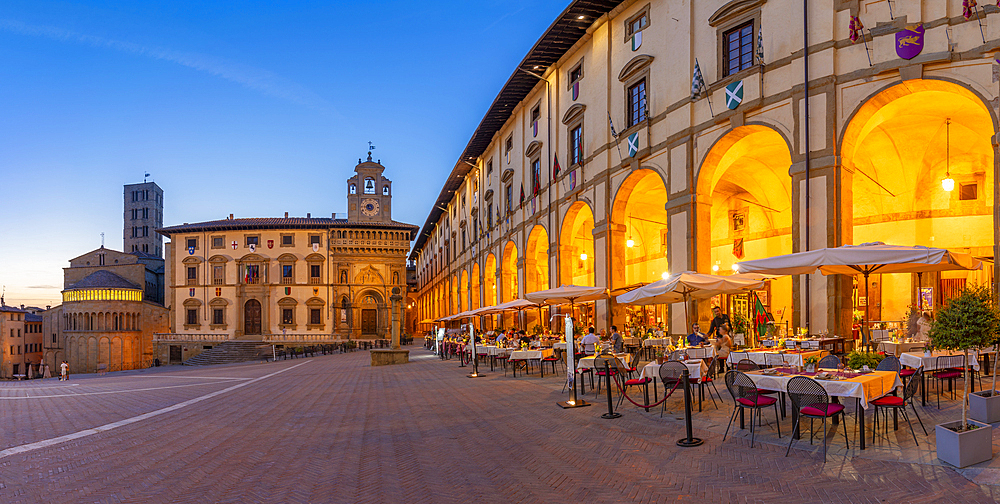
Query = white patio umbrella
x=681 y=287
x=569 y=294
x=867 y=258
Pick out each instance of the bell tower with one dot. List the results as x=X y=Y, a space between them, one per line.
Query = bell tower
x=369 y=194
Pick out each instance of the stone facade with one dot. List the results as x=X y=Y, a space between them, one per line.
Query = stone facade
x=291 y=278
x=143 y=216
x=700 y=182
x=112 y=306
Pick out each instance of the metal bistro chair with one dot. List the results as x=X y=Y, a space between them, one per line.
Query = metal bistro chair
x=709 y=379
x=829 y=362
x=899 y=403
x=889 y=363
x=671 y=374
x=774 y=360
x=616 y=369
x=745 y=365
x=947 y=367
x=746 y=396
x=810 y=400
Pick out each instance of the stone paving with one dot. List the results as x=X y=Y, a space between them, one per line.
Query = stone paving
x=333 y=429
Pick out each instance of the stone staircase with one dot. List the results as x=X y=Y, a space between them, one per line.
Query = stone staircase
x=229 y=352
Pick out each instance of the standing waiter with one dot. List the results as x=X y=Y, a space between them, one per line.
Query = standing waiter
x=718 y=320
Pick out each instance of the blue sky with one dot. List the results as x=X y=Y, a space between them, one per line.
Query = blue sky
x=250 y=108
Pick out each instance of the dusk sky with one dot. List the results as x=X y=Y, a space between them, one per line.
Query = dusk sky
x=250 y=108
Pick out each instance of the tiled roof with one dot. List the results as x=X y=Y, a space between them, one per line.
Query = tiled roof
x=14 y=309
x=31 y=317
x=103 y=279
x=254 y=223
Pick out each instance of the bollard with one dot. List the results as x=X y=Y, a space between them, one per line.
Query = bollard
x=690 y=440
x=607 y=381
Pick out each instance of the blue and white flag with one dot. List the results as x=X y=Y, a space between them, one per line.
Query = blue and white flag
x=760 y=46
x=633 y=144
x=636 y=41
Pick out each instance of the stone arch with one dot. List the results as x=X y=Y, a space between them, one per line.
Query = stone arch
x=638 y=230
x=508 y=273
x=475 y=289
x=576 y=246
x=536 y=260
x=490 y=280
x=463 y=291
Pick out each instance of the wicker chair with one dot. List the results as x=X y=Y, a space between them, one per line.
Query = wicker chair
x=746 y=396
x=671 y=374
x=810 y=400
x=886 y=403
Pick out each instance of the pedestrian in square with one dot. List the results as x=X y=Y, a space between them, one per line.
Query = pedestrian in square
x=64 y=371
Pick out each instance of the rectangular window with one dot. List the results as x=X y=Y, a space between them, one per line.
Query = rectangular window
x=253 y=240
x=192 y=275
x=536 y=176
x=636 y=106
x=145 y=213
x=737 y=48
x=145 y=231
x=489 y=167
x=637 y=23
x=286 y=274
x=218 y=275
x=217 y=316
x=287 y=240
x=509 y=192
x=576 y=74
x=314 y=316
x=508 y=146
x=314 y=239
x=576 y=145
x=314 y=272
x=192 y=316
x=968 y=192
x=218 y=242
x=287 y=316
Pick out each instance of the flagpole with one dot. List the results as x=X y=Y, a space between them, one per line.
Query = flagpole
x=976 y=13
x=615 y=135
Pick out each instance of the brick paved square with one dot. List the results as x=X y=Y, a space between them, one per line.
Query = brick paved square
x=334 y=429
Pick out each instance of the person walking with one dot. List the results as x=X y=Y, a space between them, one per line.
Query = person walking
x=64 y=371
x=48 y=372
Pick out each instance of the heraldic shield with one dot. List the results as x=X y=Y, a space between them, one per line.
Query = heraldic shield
x=910 y=41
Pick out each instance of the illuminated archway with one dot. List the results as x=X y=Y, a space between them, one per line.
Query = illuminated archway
x=508 y=280
x=638 y=239
x=898 y=149
x=536 y=260
x=475 y=288
x=453 y=304
x=745 y=180
x=576 y=246
x=463 y=292
x=490 y=280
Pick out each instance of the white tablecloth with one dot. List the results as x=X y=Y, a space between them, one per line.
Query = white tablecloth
x=588 y=362
x=531 y=354
x=653 y=342
x=898 y=349
x=652 y=370
x=846 y=388
x=699 y=353
x=759 y=357
x=917 y=359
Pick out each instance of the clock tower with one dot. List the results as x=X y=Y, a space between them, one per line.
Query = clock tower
x=369 y=194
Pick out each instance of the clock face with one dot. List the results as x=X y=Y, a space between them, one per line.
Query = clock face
x=369 y=207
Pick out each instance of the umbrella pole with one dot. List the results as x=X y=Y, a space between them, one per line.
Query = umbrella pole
x=864 y=326
x=920 y=283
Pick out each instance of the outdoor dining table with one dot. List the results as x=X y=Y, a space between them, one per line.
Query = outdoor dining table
x=651 y=342
x=526 y=355
x=897 y=349
x=588 y=362
x=929 y=362
x=864 y=388
x=789 y=357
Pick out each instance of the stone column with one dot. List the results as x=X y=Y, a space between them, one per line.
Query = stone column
x=395 y=298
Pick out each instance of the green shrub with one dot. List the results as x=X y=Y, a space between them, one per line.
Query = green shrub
x=856 y=359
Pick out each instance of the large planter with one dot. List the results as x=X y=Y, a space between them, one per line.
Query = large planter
x=962 y=449
x=984 y=409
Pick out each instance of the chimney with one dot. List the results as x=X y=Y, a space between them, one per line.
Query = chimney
x=230 y=216
x=48 y=307
x=308 y=215
x=286 y=215
x=22 y=307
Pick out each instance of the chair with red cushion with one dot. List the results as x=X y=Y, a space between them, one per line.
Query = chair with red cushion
x=810 y=400
x=948 y=367
x=708 y=379
x=746 y=396
x=616 y=368
x=745 y=365
x=636 y=382
x=551 y=360
x=888 y=402
x=671 y=375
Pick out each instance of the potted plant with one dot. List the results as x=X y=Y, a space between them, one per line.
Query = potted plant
x=967 y=321
x=858 y=359
x=811 y=362
x=984 y=406
x=660 y=356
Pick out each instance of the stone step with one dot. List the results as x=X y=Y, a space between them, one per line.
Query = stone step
x=229 y=352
